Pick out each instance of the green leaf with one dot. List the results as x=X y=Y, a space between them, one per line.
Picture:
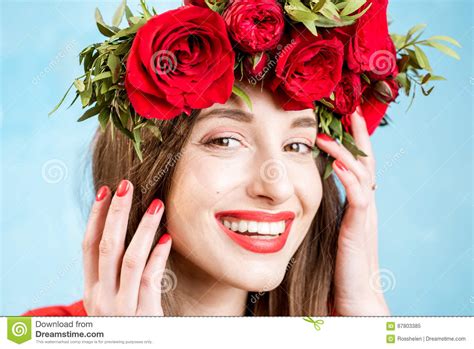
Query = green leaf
x=102 y=76
x=79 y=84
x=118 y=15
x=413 y=30
x=61 y=101
x=326 y=103
x=114 y=64
x=311 y=27
x=120 y=127
x=155 y=130
x=103 y=28
x=90 y=113
x=242 y=94
x=146 y=12
x=443 y=48
x=137 y=143
x=445 y=38
x=336 y=126
x=436 y=78
x=128 y=14
x=104 y=116
x=130 y=30
x=328 y=170
x=86 y=94
x=422 y=59
x=352 y=6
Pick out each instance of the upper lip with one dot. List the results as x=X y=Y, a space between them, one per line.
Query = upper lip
x=260 y=216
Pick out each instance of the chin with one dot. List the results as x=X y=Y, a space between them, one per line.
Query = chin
x=256 y=276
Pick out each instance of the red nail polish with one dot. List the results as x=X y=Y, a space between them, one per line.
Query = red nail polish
x=164 y=239
x=340 y=165
x=324 y=137
x=101 y=193
x=154 y=207
x=123 y=188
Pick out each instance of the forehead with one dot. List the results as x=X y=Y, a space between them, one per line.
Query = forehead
x=263 y=104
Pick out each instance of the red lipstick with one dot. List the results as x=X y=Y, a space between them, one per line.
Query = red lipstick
x=254 y=244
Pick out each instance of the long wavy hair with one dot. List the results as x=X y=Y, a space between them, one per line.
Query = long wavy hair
x=307 y=287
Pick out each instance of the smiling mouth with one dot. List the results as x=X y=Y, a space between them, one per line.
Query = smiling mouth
x=257 y=231
x=253 y=228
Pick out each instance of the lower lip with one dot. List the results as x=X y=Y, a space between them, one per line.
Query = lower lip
x=259 y=245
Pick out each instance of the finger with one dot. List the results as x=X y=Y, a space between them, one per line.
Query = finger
x=90 y=244
x=149 y=299
x=362 y=139
x=356 y=214
x=338 y=151
x=111 y=247
x=138 y=251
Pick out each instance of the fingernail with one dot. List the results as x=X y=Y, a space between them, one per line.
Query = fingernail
x=154 y=207
x=101 y=193
x=164 y=239
x=324 y=137
x=123 y=188
x=340 y=165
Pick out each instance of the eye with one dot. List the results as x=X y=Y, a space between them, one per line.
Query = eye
x=223 y=142
x=298 y=147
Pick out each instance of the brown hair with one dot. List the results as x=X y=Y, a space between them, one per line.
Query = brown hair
x=307 y=288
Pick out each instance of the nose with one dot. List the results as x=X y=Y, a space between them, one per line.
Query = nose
x=270 y=181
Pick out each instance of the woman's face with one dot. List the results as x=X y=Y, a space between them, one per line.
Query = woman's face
x=245 y=191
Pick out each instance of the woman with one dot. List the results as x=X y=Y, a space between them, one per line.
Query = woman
x=223 y=209
x=220 y=173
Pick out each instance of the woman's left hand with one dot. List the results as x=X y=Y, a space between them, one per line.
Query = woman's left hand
x=357 y=276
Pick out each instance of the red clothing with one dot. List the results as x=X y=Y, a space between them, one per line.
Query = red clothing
x=74 y=309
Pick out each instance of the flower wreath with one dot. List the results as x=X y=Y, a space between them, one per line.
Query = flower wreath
x=329 y=55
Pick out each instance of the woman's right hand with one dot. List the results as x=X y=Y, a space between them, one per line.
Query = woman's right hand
x=119 y=282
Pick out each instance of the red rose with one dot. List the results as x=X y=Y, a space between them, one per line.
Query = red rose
x=255 y=25
x=308 y=69
x=348 y=93
x=368 y=45
x=180 y=60
x=375 y=101
x=255 y=65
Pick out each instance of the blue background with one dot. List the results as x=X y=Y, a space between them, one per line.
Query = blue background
x=424 y=162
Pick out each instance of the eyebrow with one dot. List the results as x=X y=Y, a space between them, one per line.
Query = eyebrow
x=246 y=117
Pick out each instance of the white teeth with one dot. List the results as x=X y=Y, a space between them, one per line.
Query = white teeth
x=273 y=228
x=242 y=226
x=263 y=228
x=253 y=227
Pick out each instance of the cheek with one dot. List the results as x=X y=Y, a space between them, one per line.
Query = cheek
x=309 y=193
x=308 y=186
x=199 y=185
